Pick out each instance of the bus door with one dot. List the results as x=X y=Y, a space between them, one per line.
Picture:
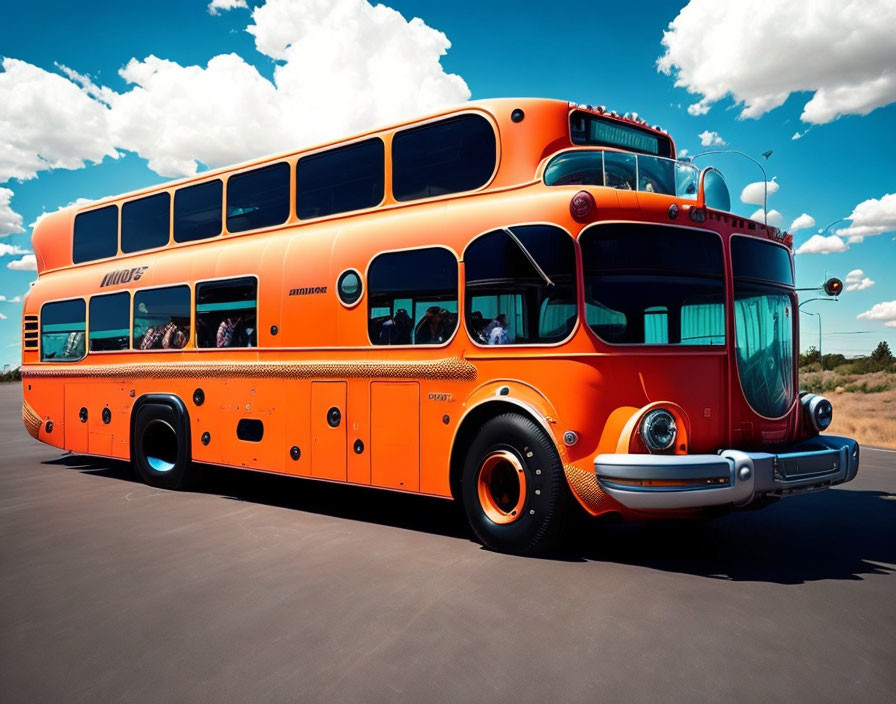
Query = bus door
x=328 y=436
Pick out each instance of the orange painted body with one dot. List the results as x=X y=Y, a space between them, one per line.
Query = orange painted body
x=403 y=405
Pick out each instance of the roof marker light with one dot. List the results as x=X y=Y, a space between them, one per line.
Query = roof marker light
x=698 y=214
x=581 y=205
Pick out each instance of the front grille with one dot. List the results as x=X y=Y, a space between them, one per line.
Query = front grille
x=30 y=332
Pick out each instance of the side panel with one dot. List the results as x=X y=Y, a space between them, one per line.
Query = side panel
x=75 y=430
x=328 y=459
x=395 y=435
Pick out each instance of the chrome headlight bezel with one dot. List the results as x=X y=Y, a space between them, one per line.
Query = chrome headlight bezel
x=819 y=411
x=659 y=430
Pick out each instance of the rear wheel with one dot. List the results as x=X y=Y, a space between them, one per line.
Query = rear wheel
x=513 y=488
x=160 y=445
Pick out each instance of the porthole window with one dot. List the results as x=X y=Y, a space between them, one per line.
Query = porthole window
x=349 y=287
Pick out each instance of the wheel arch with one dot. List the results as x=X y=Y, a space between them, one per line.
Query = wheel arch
x=483 y=410
x=177 y=405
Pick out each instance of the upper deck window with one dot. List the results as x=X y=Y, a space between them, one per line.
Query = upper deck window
x=647 y=284
x=110 y=322
x=341 y=180
x=521 y=286
x=96 y=234
x=258 y=198
x=412 y=297
x=449 y=156
x=640 y=172
x=62 y=326
x=197 y=211
x=607 y=132
x=145 y=223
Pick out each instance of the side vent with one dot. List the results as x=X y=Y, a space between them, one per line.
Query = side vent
x=30 y=332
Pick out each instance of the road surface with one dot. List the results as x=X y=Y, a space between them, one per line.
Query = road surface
x=262 y=588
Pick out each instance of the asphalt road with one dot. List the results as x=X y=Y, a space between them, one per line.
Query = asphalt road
x=261 y=588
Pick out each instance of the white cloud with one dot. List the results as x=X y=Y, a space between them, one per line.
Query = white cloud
x=26 y=263
x=10 y=221
x=216 y=7
x=798 y=135
x=7 y=249
x=711 y=139
x=2 y=317
x=801 y=223
x=871 y=217
x=682 y=153
x=379 y=68
x=48 y=122
x=753 y=192
x=819 y=244
x=14 y=299
x=699 y=108
x=884 y=312
x=857 y=281
x=843 y=51
x=774 y=217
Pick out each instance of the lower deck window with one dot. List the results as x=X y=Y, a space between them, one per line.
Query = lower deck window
x=226 y=313
x=162 y=318
x=412 y=297
x=62 y=328
x=110 y=322
x=521 y=286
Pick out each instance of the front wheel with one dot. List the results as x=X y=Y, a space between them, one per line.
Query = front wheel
x=513 y=488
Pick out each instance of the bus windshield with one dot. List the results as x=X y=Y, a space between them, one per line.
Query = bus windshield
x=649 y=284
x=636 y=172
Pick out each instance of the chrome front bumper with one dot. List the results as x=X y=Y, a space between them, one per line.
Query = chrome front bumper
x=654 y=482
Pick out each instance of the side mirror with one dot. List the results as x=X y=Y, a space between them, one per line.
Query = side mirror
x=833 y=287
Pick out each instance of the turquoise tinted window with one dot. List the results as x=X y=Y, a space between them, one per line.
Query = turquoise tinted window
x=62 y=327
x=110 y=322
x=162 y=318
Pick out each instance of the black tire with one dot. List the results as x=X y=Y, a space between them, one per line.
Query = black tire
x=160 y=443
x=531 y=519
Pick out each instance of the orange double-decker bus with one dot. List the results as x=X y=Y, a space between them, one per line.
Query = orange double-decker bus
x=522 y=305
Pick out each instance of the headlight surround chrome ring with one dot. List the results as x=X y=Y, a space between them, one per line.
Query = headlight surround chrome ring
x=819 y=410
x=659 y=430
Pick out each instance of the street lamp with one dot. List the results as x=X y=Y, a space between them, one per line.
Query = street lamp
x=806 y=312
x=761 y=168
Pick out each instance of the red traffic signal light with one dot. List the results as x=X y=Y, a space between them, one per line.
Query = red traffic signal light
x=833 y=287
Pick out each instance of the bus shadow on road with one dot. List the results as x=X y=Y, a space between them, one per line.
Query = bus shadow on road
x=834 y=534
x=412 y=512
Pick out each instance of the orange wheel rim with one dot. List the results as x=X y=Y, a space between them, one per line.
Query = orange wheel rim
x=501 y=485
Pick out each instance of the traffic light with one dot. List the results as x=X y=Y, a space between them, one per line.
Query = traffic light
x=833 y=286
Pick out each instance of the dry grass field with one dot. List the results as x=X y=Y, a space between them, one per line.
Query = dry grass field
x=864 y=404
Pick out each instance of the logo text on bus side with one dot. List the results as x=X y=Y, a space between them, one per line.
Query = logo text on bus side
x=307 y=291
x=123 y=276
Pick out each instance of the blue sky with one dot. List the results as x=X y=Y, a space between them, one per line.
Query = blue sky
x=78 y=86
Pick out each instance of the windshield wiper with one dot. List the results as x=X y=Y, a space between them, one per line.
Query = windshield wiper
x=528 y=256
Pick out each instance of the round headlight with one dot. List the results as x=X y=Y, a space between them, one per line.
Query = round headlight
x=820 y=411
x=659 y=430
